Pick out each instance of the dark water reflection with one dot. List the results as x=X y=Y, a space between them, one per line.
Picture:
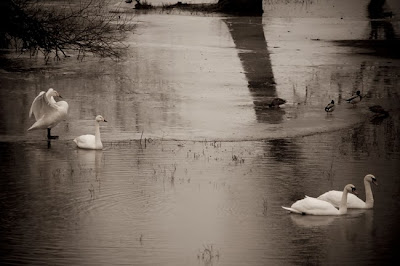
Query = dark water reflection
x=248 y=35
x=383 y=36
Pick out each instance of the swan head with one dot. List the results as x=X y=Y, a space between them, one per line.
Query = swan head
x=351 y=188
x=99 y=118
x=371 y=178
x=53 y=92
x=358 y=93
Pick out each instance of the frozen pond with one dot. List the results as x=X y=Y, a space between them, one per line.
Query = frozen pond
x=214 y=165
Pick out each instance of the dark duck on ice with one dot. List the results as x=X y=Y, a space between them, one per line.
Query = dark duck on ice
x=330 y=107
x=355 y=98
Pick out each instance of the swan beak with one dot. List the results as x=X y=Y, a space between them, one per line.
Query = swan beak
x=375 y=182
x=355 y=192
x=105 y=120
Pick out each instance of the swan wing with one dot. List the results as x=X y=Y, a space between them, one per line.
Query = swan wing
x=310 y=205
x=86 y=141
x=41 y=106
x=291 y=210
x=334 y=197
x=62 y=107
x=35 y=104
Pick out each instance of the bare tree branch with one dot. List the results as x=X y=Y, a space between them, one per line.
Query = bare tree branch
x=84 y=26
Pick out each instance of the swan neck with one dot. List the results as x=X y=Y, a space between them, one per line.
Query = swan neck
x=343 y=202
x=97 y=134
x=50 y=99
x=369 y=199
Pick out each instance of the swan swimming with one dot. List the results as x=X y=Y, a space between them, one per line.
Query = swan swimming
x=91 y=142
x=353 y=202
x=330 y=107
x=48 y=113
x=355 y=98
x=314 y=206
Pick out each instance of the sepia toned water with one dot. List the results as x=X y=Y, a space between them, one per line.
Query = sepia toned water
x=195 y=167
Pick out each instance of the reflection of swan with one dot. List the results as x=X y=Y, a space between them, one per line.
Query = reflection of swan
x=48 y=113
x=308 y=221
x=315 y=206
x=353 y=201
x=89 y=159
x=355 y=98
x=89 y=141
x=355 y=213
x=330 y=107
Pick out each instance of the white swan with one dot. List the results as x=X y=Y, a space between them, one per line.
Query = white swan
x=89 y=141
x=48 y=113
x=314 y=206
x=353 y=201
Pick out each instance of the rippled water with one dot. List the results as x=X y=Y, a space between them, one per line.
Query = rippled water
x=161 y=204
x=193 y=160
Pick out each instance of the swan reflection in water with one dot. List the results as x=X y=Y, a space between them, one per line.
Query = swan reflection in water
x=309 y=221
x=90 y=159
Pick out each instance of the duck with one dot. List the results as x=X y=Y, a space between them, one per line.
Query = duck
x=48 y=113
x=330 y=107
x=276 y=102
x=353 y=202
x=91 y=142
x=314 y=206
x=355 y=98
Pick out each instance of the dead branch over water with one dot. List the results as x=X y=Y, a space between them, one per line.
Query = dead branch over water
x=83 y=26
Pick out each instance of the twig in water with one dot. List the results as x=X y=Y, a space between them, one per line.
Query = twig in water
x=208 y=254
x=141 y=138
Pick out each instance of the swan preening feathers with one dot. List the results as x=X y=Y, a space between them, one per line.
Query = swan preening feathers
x=314 y=206
x=48 y=113
x=353 y=202
x=91 y=142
